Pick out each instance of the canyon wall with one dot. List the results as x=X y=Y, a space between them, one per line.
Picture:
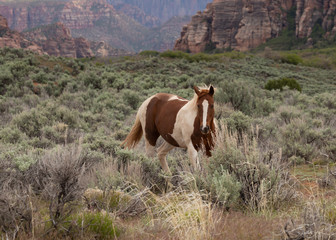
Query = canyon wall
x=56 y=40
x=75 y=14
x=245 y=24
x=14 y=39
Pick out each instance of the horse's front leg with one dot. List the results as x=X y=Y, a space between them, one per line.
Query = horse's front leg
x=193 y=157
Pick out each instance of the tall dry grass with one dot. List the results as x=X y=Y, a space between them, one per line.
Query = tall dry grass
x=265 y=179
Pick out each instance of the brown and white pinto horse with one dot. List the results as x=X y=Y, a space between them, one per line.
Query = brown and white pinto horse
x=181 y=123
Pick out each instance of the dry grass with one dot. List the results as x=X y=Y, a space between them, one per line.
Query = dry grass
x=186 y=215
x=265 y=178
x=228 y=226
x=237 y=225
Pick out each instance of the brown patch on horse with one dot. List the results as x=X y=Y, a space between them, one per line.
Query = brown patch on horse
x=161 y=116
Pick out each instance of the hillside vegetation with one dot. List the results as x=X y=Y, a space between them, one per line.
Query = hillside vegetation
x=64 y=175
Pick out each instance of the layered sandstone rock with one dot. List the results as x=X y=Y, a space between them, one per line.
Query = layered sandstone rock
x=309 y=12
x=13 y=39
x=76 y=14
x=56 y=40
x=245 y=24
x=95 y=20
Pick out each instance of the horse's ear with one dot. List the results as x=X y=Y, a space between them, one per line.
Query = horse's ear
x=197 y=91
x=211 y=90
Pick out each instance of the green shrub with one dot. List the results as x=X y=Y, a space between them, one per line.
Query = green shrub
x=264 y=181
x=300 y=139
x=118 y=84
x=318 y=62
x=123 y=159
x=6 y=78
x=234 y=54
x=63 y=114
x=19 y=69
x=56 y=133
x=331 y=150
x=109 y=200
x=291 y=58
x=198 y=57
x=238 y=94
x=325 y=100
x=225 y=187
x=151 y=174
x=99 y=224
x=30 y=122
x=102 y=143
x=109 y=78
x=281 y=83
x=131 y=98
x=238 y=122
x=23 y=162
x=149 y=53
x=11 y=135
x=91 y=79
x=288 y=113
x=175 y=54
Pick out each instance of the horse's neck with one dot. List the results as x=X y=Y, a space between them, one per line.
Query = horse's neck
x=191 y=105
x=190 y=109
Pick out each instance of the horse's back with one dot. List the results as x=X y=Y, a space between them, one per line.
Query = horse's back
x=161 y=113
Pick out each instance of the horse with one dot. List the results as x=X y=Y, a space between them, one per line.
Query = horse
x=181 y=123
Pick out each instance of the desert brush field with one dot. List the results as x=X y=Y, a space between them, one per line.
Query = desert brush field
x=272 y=174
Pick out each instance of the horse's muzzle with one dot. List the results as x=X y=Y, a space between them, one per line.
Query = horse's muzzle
x=205 y=130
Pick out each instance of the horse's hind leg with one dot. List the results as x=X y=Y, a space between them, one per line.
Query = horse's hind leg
x=150 y=141
x=162 y=153
x=150 y=149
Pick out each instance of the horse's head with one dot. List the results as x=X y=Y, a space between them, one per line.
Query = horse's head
x=205 y=108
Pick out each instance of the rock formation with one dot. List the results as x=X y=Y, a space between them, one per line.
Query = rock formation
x=56 y=40
x=76 y=14
x=122 y=24
x=13 y=39
x=245 y=24
x=95 y=20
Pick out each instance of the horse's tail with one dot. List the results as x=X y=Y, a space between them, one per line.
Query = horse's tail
x=134 y=136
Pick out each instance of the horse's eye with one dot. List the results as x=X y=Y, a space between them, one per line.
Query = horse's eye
x=198 y=105
x=212 y=106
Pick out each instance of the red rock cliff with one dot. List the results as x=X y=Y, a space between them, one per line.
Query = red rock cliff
x=245 y=24
x=76 y=14
x=56 y=40
x=13 y=39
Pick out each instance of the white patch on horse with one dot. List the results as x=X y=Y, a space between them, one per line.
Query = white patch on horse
x=184 y=124
x=205 y=105
x=176 y=98
x=150 y=150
